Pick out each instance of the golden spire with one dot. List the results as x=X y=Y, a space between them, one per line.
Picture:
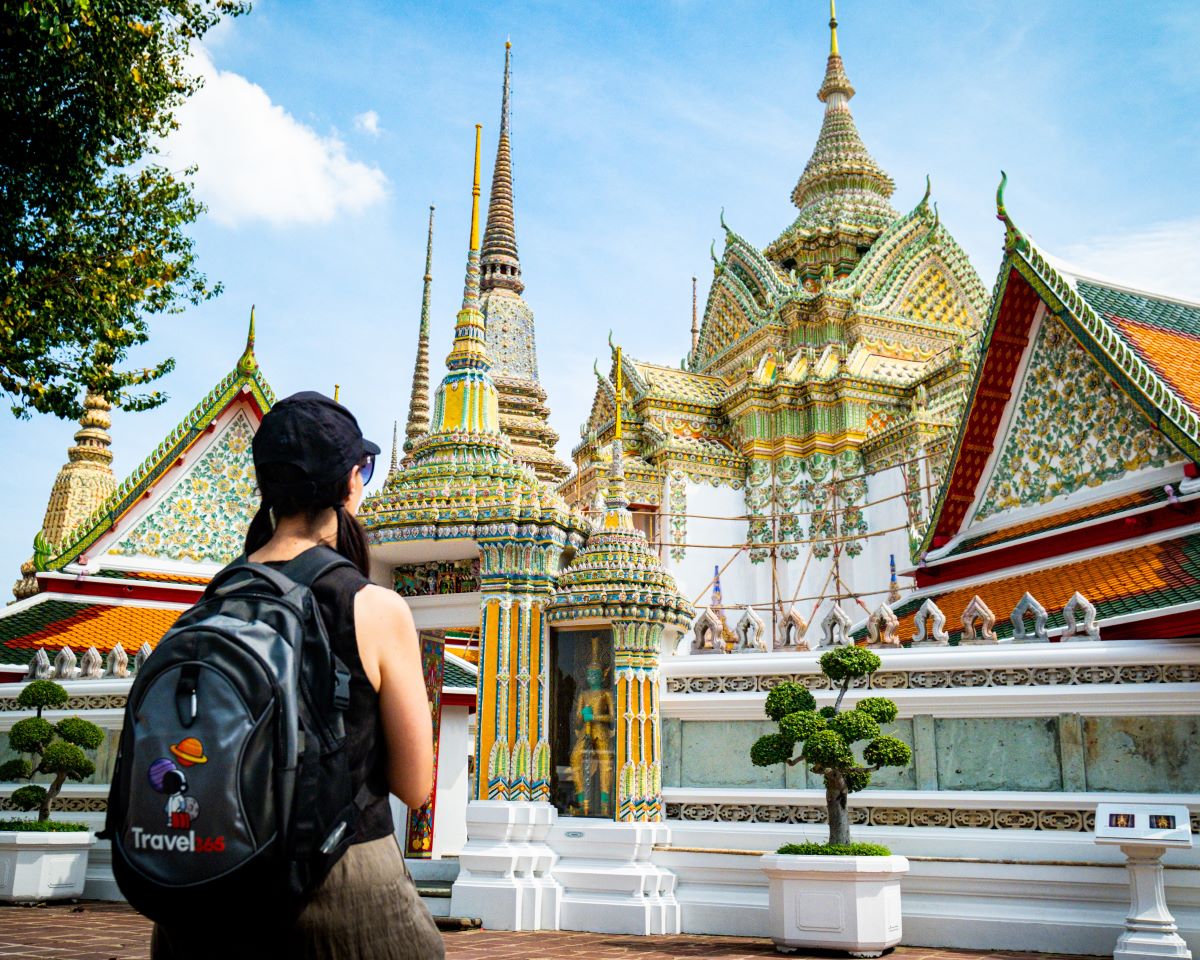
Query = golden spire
x=247 y=363
x=418 y=404
x=475 y=194
x=470 y=347
x=337 y=388
x=619 y=434
x=833 y=46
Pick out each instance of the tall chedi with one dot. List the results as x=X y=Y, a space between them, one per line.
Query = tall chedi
x=511 y=335
x=842 y=195
x=85 y=481
x=418 y=405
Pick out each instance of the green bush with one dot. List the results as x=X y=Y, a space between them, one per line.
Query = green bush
x=42 y=693
x=835 y=850
x=787 y=698
x=771 y=749
x=30 y=735
x=63 y=758
x=853 y=725
x=881 y=708
x=80 y=732
x=826 y=734
x=43 y=826
x=801 y=725
x=849 y=662
x=887 y=752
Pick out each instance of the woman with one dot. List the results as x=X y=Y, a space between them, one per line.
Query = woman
x=312 y=464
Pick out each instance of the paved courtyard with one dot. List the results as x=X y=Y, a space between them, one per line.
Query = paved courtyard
x=112 y=931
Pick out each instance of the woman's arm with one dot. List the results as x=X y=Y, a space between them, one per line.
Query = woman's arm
x=391 y=657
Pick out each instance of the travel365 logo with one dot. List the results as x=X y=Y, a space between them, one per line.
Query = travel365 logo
x=167 y=776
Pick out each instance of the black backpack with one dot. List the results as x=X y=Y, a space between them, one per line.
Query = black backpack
x=232 y=790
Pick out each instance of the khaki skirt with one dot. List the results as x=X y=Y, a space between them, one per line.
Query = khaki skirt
x=367 y=908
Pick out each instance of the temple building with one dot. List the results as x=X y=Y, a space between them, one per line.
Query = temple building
x=816 y=405
x=998 y=496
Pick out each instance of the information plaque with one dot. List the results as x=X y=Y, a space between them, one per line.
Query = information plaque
x=1143 y=824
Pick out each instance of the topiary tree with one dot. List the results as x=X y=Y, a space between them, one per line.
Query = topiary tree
x=826 y=735
x=57 y=749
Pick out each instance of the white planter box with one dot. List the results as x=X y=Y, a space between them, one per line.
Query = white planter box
x=835 y=903
x=43 y=866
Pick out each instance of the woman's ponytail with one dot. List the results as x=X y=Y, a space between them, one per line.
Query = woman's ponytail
x=352 y=540
x=261 y=529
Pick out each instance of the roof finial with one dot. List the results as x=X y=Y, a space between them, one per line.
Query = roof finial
x=695 y=325
x=470 y=347
x=418 y=404
x=337 y=389
x=247 y=363
x=395 y=446
x=618 y=432
x=833 y=46
x=500 y=264
x=475 y=193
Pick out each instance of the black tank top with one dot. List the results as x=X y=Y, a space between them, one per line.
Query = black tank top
x=335 y=593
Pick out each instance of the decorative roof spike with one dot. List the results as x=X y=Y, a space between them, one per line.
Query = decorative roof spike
x=470 y=348
x=930 y=625
x=247 y=363
x=418 y=404
x=39 y=667
x=500 y=263
x=833 y=46
x=695 y=323
x=1013 y=238
x=91 y=666
x=395 y=447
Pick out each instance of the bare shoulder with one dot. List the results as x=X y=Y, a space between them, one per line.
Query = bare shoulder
x=383 y=624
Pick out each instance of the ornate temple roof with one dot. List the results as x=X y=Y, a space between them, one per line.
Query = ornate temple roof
x=616 y=575
x=1144 y=343
x=244 y=381
x=843 y=193
x=52 y=624
x=1130 y=584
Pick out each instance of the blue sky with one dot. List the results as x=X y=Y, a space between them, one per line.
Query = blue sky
x=326 y=129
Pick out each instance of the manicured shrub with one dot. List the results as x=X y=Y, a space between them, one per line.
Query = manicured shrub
x=825 y=736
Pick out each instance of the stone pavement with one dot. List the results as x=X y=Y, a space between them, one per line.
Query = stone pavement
x=93 y=930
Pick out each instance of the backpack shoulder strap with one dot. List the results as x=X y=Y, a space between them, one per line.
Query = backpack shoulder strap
x=308 y=567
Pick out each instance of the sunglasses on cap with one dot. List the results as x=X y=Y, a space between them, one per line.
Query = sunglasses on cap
x=366 y=468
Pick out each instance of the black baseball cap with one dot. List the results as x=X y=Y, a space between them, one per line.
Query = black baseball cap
x=313 y=433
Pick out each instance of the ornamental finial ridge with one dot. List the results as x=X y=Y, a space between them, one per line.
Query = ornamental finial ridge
x=833 y=41
x=247 y=363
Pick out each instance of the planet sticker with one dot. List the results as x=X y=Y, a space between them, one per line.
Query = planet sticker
x=158 y=770
x=189 y=751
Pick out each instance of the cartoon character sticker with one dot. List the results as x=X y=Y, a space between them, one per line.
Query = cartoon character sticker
x=167 y=777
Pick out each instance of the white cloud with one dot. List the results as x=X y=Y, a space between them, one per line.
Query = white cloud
x=257 y=162
x=1160 y=258
x=368 y=122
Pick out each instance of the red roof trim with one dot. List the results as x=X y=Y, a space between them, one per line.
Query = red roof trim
x=1006 y=345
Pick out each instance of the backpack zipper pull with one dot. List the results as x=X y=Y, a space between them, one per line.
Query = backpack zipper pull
x=187 y=704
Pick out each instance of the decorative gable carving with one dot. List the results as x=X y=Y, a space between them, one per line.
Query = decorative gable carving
x=835 y=628
x=751 y=632
x=1072 y=427
x=930 y=625
x=1031 y=608
x=1080 y=617
x=978 y=611
x=205 y=514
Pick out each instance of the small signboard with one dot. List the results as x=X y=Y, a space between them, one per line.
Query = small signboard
x=1143 y=824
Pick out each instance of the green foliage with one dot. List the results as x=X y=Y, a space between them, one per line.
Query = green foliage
x=801 y=725
x=28 y=798
x=843 y=662
x=887 y=752
x=82 y=733
x=827 y=749
x=63 y=757
x=835 y=850
x=44 y=826
x=93 y=234
x=854 y=725
x=827 y=711
x=42 y=693
x=771 y=749
x=18 y=769
x=787 y=698
x=881 y=708
x=857 y=779
x=30 y=735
